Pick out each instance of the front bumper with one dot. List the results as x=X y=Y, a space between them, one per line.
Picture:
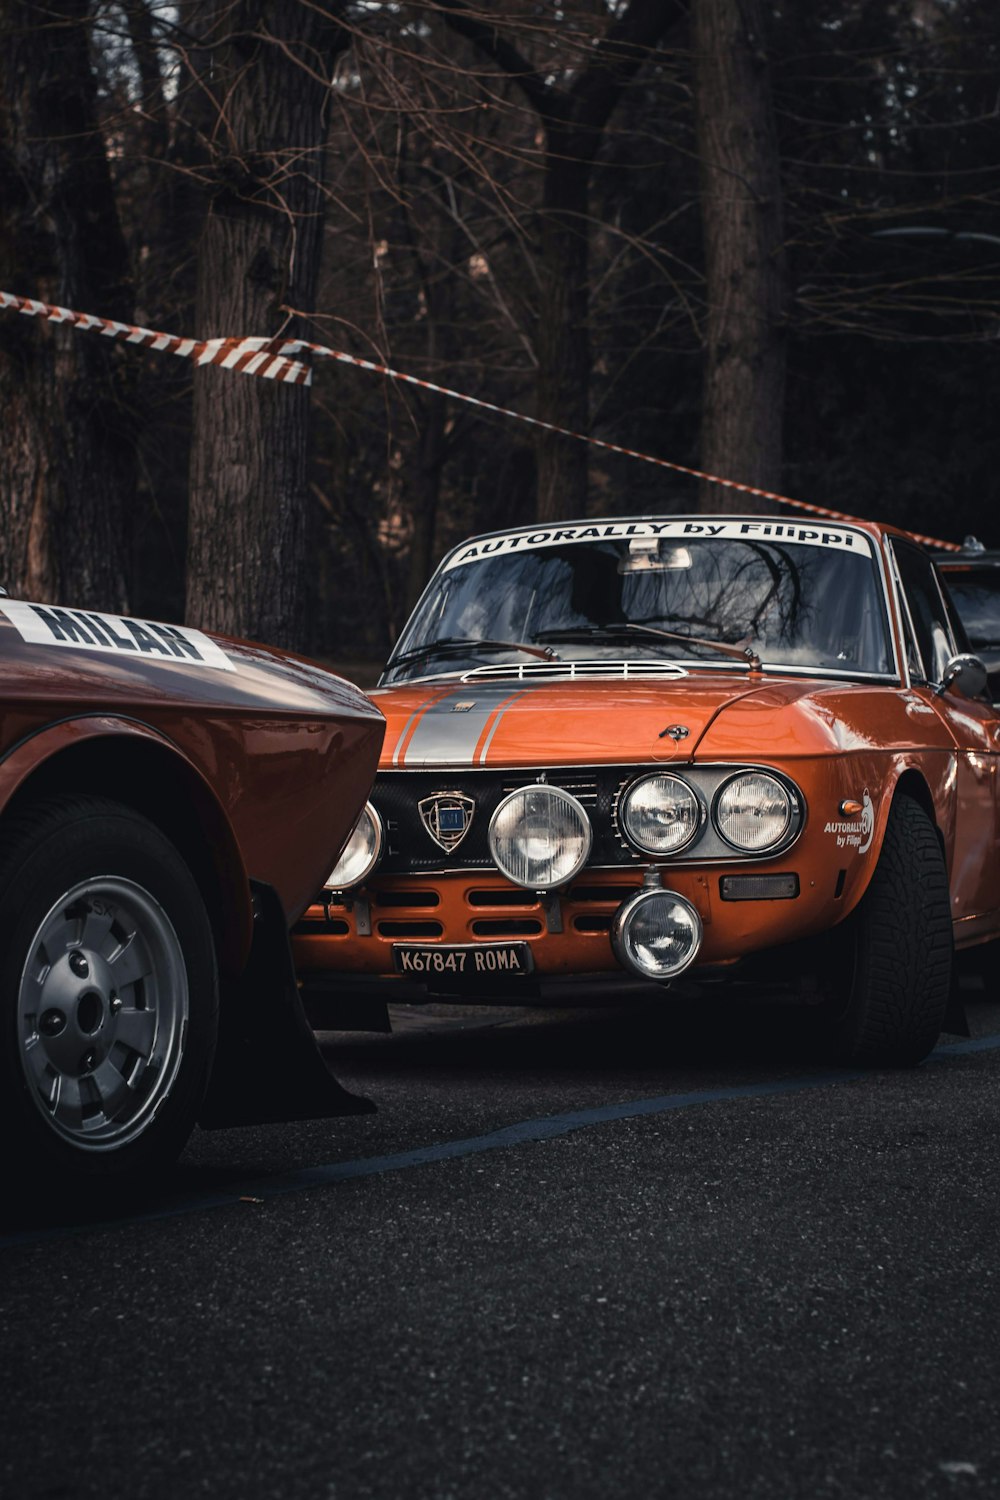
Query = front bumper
x=569 y=933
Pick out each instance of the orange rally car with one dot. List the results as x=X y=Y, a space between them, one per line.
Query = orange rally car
x=709 y=747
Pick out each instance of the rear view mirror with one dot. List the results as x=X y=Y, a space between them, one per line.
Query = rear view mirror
x=966 y=673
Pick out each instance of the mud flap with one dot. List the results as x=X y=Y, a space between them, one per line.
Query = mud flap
x=956 y=1022
x=268 y=1066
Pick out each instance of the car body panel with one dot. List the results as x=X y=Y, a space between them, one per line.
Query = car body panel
x=254 y=764
x=508 y=724
x=240 y=731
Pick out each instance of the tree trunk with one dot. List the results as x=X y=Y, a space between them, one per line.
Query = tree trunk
x=745 y=270
x=562 y=340
x=67 y=472
x=573 y=119
x=250 y=517
x=442 y=247
x=424 y=491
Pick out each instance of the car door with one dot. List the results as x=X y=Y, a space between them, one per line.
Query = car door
x=932 y=637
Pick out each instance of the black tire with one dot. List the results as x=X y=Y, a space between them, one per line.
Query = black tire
x=893 y=955
x=109 y=995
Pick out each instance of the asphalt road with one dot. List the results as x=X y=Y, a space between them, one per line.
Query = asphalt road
x=573 y=1255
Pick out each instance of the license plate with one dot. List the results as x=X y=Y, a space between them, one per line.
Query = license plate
x=469 y=960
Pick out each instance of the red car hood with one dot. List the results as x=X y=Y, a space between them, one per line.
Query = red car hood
x=610 y=720
x=553 y=722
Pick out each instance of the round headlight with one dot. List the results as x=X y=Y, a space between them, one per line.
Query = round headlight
x=753 y=811
x=660 y=814
x=360 y=854
x=540 y=837
x=657 y=934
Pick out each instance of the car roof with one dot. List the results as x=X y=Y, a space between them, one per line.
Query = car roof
x=971 y=552
x=965 y=561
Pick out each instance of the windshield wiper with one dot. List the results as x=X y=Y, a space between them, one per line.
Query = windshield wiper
x=457 y=645
x=628 y=628
x=741 y=651
x=582 y=632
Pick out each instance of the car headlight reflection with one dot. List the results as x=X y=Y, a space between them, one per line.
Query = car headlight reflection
x=360 y=854
x=753 y=811
x=660 y=814
x=540 y=837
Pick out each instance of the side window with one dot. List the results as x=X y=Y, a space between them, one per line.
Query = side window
x=928 y=612
x=958 y=629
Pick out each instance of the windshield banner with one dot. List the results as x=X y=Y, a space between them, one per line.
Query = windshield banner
x=764 y=530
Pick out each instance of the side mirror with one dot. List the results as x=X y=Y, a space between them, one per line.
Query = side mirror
x=966 y=673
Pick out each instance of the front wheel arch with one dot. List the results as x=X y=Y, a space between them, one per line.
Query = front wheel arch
x=888 y=977
x=132 y=765
x=909 y=783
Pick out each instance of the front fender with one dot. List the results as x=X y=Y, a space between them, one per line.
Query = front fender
x=853 y=844
x=27 y=754
x=129 y=759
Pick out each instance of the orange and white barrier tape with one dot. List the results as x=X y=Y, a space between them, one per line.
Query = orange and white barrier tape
x=263 y=357
x=273 y=359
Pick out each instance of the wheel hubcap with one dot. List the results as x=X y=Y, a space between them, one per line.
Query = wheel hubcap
x=102 y=1012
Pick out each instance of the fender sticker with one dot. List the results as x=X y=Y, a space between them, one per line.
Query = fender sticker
x=116 y=635
x=856 y=835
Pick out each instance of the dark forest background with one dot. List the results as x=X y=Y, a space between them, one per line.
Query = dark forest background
x=760 y=238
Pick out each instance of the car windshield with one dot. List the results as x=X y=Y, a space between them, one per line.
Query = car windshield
x=642 y=596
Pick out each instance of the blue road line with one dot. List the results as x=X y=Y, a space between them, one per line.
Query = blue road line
x=546 y=1128
x=974 y=1044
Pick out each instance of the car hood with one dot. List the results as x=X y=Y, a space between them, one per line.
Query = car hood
x=554 y=722
x=69 y=658
x=705 y=715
